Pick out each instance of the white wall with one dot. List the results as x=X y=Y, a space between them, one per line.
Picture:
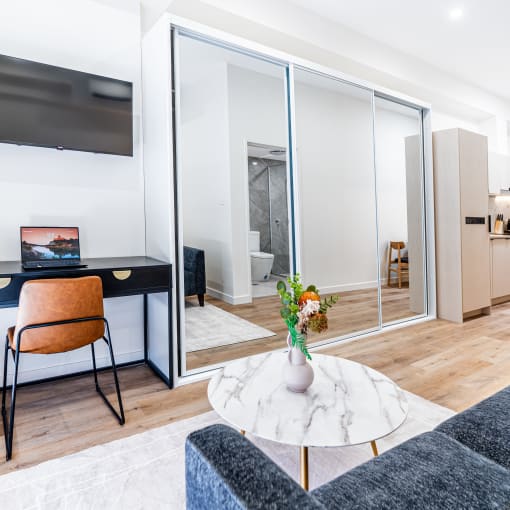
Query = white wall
x=442 y=121
x=102 y=194
x=204 y=155
x=336 y=187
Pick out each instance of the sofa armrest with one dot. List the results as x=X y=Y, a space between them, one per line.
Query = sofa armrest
x=485 y=427
x=226 y=471
x=194 y=263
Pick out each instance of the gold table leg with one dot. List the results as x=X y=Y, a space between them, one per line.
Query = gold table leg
x=304 y=467
x=243 y=432
x=374 y=448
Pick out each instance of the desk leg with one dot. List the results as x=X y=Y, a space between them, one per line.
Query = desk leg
x=167 y=379
x=304 y=467
x=145 y=328
x=374 y=448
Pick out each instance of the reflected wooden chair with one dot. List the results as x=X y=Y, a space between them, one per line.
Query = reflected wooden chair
x=57 y=315
x=398 y=265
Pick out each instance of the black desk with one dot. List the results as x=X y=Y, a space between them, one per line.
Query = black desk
x=122 y=276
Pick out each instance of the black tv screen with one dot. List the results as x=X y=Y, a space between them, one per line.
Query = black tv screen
x=49 y=106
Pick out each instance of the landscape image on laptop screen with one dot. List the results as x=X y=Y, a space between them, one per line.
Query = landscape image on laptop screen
x=49 y=243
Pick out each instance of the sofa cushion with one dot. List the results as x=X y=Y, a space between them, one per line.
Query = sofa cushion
x=484 y=427
x=225 y=471
x=430 y=471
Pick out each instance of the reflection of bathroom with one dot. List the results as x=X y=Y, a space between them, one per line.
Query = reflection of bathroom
x=269 y=224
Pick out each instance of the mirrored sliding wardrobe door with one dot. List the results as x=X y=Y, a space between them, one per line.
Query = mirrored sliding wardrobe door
x=337 y=206
x=233 y=182
x=400 y=199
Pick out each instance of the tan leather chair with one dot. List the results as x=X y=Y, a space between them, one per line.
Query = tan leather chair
x=397 y=265
x=57 y=315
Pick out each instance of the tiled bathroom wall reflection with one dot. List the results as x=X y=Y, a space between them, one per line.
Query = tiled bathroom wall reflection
x=269 y=210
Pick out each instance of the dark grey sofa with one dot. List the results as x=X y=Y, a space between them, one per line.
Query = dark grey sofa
x=463 y=464
x=194 y=273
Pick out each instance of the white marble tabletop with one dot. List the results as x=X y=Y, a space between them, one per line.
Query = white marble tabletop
x=347 y=403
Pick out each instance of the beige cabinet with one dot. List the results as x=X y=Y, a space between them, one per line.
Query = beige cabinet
x=498 y=172
x=462 y=237
x=500 y=264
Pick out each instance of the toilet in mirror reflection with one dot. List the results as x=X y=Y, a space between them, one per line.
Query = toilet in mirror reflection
x=261 y=262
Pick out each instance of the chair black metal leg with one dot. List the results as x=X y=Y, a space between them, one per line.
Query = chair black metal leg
x=4 y=391
x=115 y=376
x=4 y=387
x=94 y=366
x=120 y=416
x=9 y=427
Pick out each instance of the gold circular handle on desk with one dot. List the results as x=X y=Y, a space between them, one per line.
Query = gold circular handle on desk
x=122 y=275
x=5 y=282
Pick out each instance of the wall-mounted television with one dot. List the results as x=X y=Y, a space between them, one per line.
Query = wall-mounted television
x=50 y=106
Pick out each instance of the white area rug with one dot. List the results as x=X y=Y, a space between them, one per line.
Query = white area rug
x=209 y=326
x=146 y=471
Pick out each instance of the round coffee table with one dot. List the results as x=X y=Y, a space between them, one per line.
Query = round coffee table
x=347 y=404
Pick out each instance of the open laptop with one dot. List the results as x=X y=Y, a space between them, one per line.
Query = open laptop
x=50 y=247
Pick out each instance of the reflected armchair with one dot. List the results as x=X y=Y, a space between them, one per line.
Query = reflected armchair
x=194 y=273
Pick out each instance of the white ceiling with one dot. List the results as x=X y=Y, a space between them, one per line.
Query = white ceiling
x=475 y=48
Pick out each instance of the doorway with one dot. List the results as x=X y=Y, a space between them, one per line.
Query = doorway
x=269 y=242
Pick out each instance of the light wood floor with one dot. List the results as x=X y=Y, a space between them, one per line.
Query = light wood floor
x=451 y=364
x=355 y=311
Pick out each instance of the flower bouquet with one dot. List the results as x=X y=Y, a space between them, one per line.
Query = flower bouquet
x=303 y=310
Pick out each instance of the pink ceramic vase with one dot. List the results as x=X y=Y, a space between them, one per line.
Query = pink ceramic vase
x=297 y=373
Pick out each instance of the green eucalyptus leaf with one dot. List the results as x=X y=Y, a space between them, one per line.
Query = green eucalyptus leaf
x=281 y=287
x=285 y=313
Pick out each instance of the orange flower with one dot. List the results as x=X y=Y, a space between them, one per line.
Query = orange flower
x=308 y=296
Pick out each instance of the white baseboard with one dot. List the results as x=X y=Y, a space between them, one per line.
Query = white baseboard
x=228 y=298
x=346 y=287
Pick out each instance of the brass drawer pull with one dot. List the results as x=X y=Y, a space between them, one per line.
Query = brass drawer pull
x=122 y=275
x=5 y=282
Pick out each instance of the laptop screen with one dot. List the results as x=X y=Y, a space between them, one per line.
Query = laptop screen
x=49 y=243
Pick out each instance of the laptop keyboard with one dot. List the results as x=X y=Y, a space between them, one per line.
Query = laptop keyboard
x=52 y=263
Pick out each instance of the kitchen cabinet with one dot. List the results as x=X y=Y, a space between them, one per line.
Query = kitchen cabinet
x=498 y=172
x=500 y=273
x=463 y=277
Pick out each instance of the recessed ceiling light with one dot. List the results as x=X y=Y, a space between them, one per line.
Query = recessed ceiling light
x=254 y=163
x=456 y=13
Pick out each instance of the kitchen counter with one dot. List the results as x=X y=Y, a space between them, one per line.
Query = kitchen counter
x=499 y=236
